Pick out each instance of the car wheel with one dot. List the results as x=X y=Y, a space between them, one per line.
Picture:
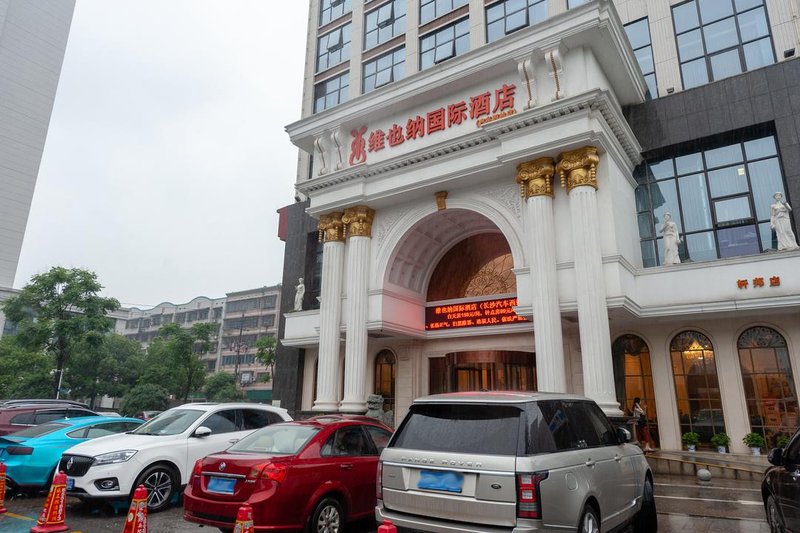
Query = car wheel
x=774 y=516
x=327 y=517
x=646 y=520
x=161 y=484
x=590 y=523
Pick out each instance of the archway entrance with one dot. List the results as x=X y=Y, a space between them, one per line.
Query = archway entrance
x=485 y=370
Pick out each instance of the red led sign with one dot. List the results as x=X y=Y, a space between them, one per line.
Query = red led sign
x=473 y=314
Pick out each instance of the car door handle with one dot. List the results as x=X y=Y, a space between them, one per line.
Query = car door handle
x=617 y=458
x=590 y=463
x=346 y=466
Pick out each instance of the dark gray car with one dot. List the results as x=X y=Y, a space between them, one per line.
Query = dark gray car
x=507 y=462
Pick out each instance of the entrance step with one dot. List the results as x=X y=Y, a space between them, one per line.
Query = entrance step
x=722 y=466
x=723 y=498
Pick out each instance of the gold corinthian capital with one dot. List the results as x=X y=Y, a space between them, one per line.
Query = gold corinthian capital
x=577 y=168
x=535 y=177
x=330 y=227
x=359 y=221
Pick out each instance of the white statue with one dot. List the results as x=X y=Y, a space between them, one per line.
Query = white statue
x=300 y=291
x=671 y=241
x=779 y=221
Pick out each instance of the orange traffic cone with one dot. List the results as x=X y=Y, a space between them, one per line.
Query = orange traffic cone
x=387 y=527
x=136 y=522
x=52 y=517
x=244 y=520
x=2 y=487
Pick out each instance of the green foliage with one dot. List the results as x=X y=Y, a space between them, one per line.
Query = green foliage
x=57 y=310
x=145 y=397
x=720 y=439
x=691 y=438
x=266 y=348
x=782 y=440
x=221 y=387
x=110 y=368
x=24 y=373
x=754 y=440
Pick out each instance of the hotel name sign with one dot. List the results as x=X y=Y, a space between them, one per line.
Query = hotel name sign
x=472 y=314
x=481 y=108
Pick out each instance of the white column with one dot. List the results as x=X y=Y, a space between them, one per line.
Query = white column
x=578 y=175
x=536 y=181
x=359 y=221
x=330 y=313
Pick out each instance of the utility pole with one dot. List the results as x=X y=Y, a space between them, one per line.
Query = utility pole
x=238 y=354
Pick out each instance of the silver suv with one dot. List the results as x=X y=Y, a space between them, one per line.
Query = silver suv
x=506 y=462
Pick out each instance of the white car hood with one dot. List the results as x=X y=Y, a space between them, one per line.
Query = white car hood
x=123 y=441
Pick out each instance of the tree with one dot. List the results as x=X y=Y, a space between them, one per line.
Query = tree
x=221 y=387
x=144 y=397
x=56 y=311
x=23 y=373
x=173 y=360
x=110 y=368
x=266 y=348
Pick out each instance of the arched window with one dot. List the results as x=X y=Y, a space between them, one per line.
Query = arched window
x=634 y=378
x=696 y=385
x=768 y=382
x=385 y=372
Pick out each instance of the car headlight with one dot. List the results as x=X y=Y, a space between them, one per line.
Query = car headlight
x=114 y=457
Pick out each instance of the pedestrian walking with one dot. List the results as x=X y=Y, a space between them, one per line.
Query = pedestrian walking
x=642 y=432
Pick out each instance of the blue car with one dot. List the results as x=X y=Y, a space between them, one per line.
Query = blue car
x=31 y=455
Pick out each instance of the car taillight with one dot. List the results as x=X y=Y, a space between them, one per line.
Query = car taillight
x=529 y=498
x=196 y=471
x=19 y=450
x=271 y=471
x=379 y=481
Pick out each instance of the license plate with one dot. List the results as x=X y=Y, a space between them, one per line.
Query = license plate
x=70 y=483
x=222 y=485
x=440 y=480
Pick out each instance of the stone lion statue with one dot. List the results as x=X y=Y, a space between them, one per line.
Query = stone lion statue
x=375 y=410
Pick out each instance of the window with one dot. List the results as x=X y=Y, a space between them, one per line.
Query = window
x=331 y=92
x=384 y=69
x=333 y=9
x=385 y=369
x=221 y=422
x=268 y=321
x=132 y=324
x=385 y=22
x=634 y=377
x=380 y=437
x=349 y=441
x=333 y=47
x=721 y=38
x=509 y=16
x=719 y=198
x=432 y=9
x=575 y=3
x=768 y=383
x=244 y=323
x=444 y=43
x=244 y=359
x=639 y=36
x=256 y=418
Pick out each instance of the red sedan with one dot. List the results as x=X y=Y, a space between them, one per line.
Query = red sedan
x=319 y=472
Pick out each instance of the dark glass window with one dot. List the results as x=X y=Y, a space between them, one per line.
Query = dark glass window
x=380 y=437
x=331 y=92
x=721 y=38
x=444 y=43
x=221 y=422
x=333 y=47
x=432 y=9
x=333 y=9
x=384 y=22
x=719 y=197
x=349 y=441
x=384 y=69
x=509 y=16
x=639 y=36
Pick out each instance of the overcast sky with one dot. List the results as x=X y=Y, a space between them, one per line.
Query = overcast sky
x=166 y=158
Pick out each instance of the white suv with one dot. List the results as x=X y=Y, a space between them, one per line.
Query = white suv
x=160 y=453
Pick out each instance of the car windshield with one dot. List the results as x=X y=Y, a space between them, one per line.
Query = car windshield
x=282 y=439
x=169 y=423
x=38 y=431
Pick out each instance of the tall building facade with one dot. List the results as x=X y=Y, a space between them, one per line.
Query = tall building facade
x=556 y=195
x=33 y=39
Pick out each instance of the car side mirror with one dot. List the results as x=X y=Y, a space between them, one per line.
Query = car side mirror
x=623 y=435
x=775 y=456
x=202 y=431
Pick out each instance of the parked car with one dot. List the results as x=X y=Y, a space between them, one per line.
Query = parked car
x=317 y=473
x=32 y=454
x=513 y=462
x=160 y=453
x=15 y=416
x=780 y=488
x=74 y=403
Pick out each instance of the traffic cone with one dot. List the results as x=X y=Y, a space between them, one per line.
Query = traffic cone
x=2 y=487
x=244 y=520
x=387 y=527
x=52 y=517
x=136 y=522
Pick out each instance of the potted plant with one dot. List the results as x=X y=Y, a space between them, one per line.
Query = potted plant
x=755 y=441
x=691 y=440
x=721 y=441
x=782 y=440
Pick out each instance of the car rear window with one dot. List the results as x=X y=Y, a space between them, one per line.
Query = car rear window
x=483 y=429
x=284 y=439
x=38 y=431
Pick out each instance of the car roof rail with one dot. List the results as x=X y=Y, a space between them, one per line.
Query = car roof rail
x=9 y=403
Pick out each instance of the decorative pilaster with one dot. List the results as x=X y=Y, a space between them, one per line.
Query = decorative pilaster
x=358 y=224
x=536 y=186
x=578 y=172
x=331 y=232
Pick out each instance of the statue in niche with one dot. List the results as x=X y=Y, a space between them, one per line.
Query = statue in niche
x=375 y=410
x=671 y=241
x=300 y=291
x=779 y=221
